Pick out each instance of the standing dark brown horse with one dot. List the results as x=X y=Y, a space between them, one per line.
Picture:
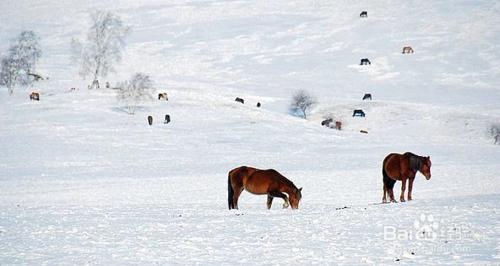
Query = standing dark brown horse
x=403 y=167
x=261 y=182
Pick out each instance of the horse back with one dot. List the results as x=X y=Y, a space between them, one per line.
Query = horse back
x=264 y=181
x=239 y=174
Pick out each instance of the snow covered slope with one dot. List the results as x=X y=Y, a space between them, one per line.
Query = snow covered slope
x=82 y=182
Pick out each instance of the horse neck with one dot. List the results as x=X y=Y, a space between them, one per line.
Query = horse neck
x=289 y=187
x=415 y=162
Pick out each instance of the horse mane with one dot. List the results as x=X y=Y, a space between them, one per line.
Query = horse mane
x=286 y=180
x=415 y=161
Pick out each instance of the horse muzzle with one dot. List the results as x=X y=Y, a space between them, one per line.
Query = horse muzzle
x=428 y=177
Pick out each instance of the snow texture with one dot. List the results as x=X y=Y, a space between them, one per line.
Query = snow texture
x=83 y=182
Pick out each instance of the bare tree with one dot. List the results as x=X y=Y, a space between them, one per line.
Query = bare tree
x=9 y=73
x=132 y=92
x=18 y=67
x=301 y=102
x=103 y=47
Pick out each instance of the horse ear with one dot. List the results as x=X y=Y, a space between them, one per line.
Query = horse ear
x=300 y=189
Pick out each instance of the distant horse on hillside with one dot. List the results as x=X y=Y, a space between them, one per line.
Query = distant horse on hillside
x=363 y=14
x=358 y=112
x=407 y=50
x=365 y=61
x=403 y=167
x=35 y=96
x=240 y=100
x=327 y=122
x=261 y=182
x=163 y=96
x=367 y=96
x=338 y=125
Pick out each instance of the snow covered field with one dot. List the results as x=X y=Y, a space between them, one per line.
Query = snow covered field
x=82 y=182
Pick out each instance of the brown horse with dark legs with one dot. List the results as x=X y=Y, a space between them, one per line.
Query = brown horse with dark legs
x=403 y=167
x=261 y=182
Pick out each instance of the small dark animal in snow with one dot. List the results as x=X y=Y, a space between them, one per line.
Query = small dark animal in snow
x=326 y=122
x=163 y=96
x=358 y=112
x=238 y=99
x=365 y=61
x=407 y=50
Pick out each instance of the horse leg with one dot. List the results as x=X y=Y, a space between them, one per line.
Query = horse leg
x=384 y=198
x=389 y=185
x=236 y=195
x=390 y=189
x=403 y=188
x=410 y=187
x=281 y=195
x=269 y=201
x=391 y=195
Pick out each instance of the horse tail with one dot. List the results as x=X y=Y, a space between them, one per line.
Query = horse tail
x=388 y=182
x=230 y=192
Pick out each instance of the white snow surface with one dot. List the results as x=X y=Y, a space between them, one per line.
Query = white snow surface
x=83 y=182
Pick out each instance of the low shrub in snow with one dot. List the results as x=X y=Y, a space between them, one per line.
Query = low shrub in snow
x=495 y=133
x=134 y=91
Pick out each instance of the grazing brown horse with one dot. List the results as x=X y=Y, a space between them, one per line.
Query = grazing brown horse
x=261 y=182
x=403 y=167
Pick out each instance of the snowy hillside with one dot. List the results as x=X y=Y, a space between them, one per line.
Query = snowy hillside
x=83 y=182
